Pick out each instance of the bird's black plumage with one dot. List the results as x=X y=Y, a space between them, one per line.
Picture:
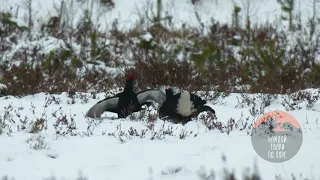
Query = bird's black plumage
x=168 y=110
x=126 y=102
x=167 y=107
x=181 y=107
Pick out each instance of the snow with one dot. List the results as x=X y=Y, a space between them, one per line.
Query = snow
x=147 y=37
x=132 y=13
x=3 y=86
x=96 y=150
x=45 y=45
x=129 y=12
x=102 y=156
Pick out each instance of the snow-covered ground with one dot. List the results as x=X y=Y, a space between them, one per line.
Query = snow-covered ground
x=105 y=149
x=106 y=154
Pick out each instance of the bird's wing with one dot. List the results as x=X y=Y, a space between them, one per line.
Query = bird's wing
x=156 y=95
x=108 y=104
x=198 y=101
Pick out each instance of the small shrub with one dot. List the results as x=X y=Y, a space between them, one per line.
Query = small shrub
x=37 y=142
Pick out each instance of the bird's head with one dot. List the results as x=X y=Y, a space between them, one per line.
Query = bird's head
x=132 y=77
x=131 y=82
x=169 y=91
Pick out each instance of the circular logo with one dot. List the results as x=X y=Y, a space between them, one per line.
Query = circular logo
x=276 y=136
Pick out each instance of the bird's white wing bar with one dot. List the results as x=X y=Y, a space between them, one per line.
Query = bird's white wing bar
x=102 y=106
x=153 y=94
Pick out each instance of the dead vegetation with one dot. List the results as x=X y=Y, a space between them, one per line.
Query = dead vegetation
x=204 y=174
x=213 y=61
x=225 y=59
x=65 y=124
x=254 y=59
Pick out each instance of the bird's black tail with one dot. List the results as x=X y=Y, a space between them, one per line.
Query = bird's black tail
x=206 y=108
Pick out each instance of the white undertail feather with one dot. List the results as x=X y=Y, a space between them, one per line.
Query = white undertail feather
x=185 y=106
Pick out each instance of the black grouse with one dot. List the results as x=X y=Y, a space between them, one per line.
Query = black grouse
x=127 y=102
x=181 y=107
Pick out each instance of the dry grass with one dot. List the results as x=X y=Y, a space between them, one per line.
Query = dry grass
x=258 y=64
